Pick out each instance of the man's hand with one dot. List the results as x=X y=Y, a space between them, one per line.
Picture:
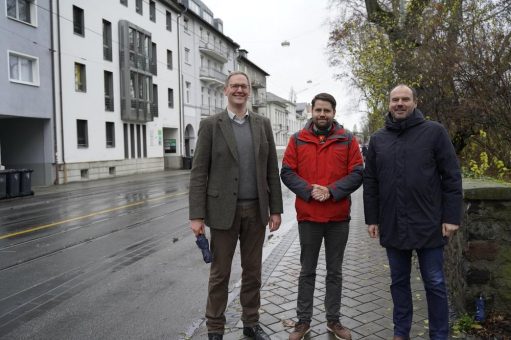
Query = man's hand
x=274 y=223
x=373 y=231
x=449 y=229
x=197 y=226
x=320 y=193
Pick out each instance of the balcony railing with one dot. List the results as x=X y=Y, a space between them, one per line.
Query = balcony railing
x=213 y=51
x=257 y=83
x=212 y=73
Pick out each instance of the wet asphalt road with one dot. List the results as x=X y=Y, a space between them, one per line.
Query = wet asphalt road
x=108 y=259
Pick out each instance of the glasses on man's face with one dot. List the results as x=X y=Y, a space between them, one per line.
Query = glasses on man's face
x=244 y=87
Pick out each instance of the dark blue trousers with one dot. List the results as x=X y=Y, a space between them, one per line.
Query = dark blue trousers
x=431 y=262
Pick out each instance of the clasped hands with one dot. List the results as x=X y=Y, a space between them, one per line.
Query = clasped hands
x=320 y=193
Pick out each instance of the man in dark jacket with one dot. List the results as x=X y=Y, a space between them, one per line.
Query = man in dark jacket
x=413 y=201
x=322 y=165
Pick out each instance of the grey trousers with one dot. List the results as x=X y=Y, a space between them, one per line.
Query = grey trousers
x=249 y=229
x=312 y=234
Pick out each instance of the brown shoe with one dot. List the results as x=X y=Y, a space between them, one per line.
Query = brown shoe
x=301 y=329
x=340 y=332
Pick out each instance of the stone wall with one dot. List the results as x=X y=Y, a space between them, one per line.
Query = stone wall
x=478 y=258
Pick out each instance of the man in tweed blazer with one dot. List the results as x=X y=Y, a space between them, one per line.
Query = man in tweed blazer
x=235 y=190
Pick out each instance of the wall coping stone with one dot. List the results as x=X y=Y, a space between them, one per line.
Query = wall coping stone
x=486 y=189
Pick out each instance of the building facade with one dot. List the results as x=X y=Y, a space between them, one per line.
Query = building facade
x=208 y=57
x=117 y=86
x=284 y=118
x=257 y=82
x=94 y=89
x=27 y=124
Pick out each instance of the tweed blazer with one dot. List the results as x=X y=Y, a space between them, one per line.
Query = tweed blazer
x=215 y=171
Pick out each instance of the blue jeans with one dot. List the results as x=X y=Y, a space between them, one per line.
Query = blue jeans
x=431 y=263
x=312 y=235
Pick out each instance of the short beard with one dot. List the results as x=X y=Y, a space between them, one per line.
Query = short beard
x=326 y=128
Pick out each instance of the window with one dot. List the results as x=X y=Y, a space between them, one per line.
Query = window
x=139 y=149
x=107 y=40
x=138 y=7
x=109 y=91
x=194 y=7
x=208 y=18
x=169 y=21
x=144 y=140
x=132 y=140
x=126 y=141
x=169 y=59
x=171 y=97
x=187 y=55
x=23 y=69
x=186 y=27
x=81 y=133
x=124 y=2
x=152 y=11
x=110 y=134
x=154 y=61
x=188 y=87
x=22 y=10
x=78 y=21
x=80 y=80
x=154 y=103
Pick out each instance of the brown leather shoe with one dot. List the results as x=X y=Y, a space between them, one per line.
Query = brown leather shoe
x=301 y=329
x=340 y=332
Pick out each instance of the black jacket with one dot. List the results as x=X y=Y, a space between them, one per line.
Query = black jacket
x=412 y=183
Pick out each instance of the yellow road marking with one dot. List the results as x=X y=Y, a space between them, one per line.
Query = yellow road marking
x=45 y=226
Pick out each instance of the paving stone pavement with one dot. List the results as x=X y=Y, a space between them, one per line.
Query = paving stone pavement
x=366 y=301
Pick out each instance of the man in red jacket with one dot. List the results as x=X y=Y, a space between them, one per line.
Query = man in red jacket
x=322 y=165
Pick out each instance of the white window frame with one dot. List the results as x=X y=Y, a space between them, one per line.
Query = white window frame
x=35 y=68
x=33 y=13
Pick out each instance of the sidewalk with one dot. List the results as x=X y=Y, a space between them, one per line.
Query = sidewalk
x=366 y=301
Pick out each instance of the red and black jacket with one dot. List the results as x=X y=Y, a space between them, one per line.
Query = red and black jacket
x=335 y=163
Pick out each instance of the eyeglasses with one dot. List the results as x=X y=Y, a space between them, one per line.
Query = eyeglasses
x=241 y=86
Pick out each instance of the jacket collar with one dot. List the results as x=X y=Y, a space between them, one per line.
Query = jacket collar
x=415 y=118
x=337 y=132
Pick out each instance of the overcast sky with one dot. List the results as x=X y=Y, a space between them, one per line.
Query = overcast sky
x=261 y=26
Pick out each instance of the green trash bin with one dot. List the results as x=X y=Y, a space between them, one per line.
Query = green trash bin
x=26 y=182
x=13 y=183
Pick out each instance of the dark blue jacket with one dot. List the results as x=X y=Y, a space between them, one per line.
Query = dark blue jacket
x=412 y=183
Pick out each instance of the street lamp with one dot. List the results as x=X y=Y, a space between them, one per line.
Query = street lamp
x=285 y=43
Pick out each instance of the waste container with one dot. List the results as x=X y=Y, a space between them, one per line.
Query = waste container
x=26 y=182
x=3 y=184
x=187 y=163
x=13 y=183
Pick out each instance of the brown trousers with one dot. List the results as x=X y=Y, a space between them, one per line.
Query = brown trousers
x=250 y=230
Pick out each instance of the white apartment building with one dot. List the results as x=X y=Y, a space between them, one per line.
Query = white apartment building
x=284 y=118
x=100 y=88
x=208 y=56
x=117 y=87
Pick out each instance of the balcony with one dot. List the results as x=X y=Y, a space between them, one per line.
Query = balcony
x=210 y=110
x=257 y=83
x=212 y=76
x=213 y=51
